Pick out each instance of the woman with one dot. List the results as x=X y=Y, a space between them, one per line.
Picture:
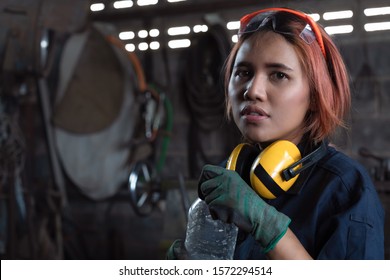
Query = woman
x=286 y=80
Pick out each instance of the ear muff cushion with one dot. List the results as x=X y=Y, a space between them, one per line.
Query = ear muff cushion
x=241 y=160
x=266 y=171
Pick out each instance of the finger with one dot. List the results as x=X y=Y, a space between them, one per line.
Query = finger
x=210 y=189
x=230 y=215
x=221 y=212
x=208 y=172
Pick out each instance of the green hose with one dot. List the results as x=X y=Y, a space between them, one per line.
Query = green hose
x=168 y=129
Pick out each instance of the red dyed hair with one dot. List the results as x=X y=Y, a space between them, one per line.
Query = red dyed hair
x=330 y=97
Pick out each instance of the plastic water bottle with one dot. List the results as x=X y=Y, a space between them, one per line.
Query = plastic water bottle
x=208 y=239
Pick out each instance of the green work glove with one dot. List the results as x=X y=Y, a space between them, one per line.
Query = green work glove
x=177 y=251
x=231 y=200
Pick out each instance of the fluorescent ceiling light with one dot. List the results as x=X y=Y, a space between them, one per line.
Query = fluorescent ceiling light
x=338 y=15
x=154 y=33
x=44 y=43
x=377 y=11
x=130 y=47
x=146 y=2
x=97 y=7
x=123 y=4
x=143 y=33
x=180 y=30
x=377 y=26
x=339 y=29
x=154 y=45
x=174 y=1
x=200 y=28
x=143 y=46
x=315 y=17
x=233 y=25
x=183 y=43
x=126 y=35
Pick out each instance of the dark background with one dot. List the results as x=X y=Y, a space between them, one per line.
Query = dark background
x=50 y=209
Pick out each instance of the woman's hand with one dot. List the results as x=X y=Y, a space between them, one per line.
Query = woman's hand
x=231 y=200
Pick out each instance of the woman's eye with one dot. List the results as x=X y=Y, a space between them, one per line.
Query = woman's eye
x=242 y=73
x=279 y=75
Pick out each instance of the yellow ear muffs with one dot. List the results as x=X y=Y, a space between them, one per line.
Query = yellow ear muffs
x=241 y=160
x=273 y=171
x=266 y=173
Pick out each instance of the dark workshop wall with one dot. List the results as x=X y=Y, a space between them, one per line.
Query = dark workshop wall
x=111 y=228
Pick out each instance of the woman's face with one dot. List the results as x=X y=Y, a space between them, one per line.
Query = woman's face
x=277 y=94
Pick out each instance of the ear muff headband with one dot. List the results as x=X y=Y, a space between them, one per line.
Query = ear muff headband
x=305 y=162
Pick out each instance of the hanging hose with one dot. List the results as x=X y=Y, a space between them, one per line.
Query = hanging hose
x=204 y=92
x=167 y=133
x=142 y=85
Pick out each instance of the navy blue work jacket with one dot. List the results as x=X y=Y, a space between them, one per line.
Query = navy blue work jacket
x=336 y=214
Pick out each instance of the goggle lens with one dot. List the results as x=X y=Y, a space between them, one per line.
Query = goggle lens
x=255 y=21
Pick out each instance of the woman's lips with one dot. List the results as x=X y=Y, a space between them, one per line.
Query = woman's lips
x=252 y=113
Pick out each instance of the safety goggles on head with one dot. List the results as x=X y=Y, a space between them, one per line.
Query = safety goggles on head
x=256 y=20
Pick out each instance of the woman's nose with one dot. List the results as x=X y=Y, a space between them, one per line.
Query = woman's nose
x=255 y=90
